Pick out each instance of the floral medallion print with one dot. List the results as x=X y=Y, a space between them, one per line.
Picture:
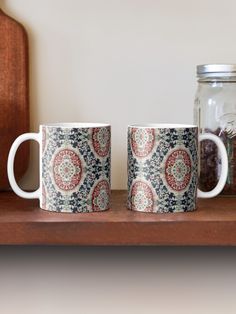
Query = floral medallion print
x=169 y=172
x=43 y=196
x=44 y=136
x=101 y=196
x=67 y=169
x=75 y=178
x=101 y=141
x=178 y=169
x=142 y=141
x=142 y=197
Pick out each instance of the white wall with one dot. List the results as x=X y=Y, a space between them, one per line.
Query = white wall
x=120 y=62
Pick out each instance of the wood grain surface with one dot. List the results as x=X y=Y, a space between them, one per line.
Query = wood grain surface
x=23 y=222
x=14 y=94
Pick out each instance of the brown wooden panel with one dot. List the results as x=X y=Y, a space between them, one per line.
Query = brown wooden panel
x=23 y=222
x=14 y=94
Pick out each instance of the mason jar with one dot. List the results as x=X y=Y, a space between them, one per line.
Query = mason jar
x=215 y=112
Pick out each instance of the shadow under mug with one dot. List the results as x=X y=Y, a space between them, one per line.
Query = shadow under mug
x=163 y=163
x=74 y=167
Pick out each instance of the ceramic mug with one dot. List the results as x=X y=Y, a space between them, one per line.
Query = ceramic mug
x=74 y=167
x=163 y=163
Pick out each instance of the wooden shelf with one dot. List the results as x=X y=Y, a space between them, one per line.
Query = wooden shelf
x=23 y=222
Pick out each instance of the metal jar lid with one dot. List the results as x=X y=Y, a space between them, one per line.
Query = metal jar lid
x=216 y=70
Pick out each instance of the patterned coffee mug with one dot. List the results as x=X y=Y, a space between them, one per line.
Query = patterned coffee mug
x=163 y=163
x=74 y=167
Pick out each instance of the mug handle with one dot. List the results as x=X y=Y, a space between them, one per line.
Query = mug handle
x=10 y=165
x=224 y=169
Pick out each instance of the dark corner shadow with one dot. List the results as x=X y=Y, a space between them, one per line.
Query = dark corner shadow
x=124 y=252
x=3 y=5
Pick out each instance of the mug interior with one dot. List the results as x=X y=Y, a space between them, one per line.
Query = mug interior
x=162 y=126
x=76 y=125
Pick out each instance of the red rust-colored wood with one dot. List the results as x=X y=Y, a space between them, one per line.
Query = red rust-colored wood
x=23 y=222
x=14 y=94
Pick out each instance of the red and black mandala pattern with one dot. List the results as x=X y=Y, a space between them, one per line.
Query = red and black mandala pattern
x=67 y=169
x=44 y=195
x=75 y=169
x=178 y=169
x=142 y=141
x=101 y=196
x=101 y=141
x=44 y=138
x=142 y=197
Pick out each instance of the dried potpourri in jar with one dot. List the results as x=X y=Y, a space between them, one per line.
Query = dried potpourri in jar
x=211 y=164
x=215 y=112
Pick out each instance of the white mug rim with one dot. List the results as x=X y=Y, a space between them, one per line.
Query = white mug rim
x=161 y=126
x=78 y=125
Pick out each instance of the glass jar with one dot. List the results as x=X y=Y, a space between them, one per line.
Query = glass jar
x=215 y=112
